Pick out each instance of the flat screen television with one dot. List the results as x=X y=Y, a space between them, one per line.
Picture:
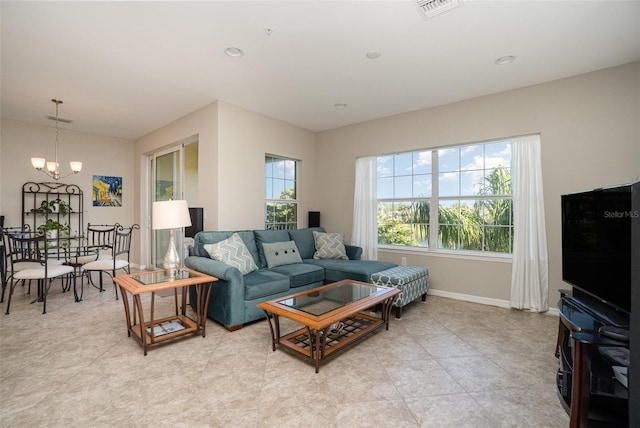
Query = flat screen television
x=596 y=243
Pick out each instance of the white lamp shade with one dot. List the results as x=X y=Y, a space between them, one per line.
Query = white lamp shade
x=52 y=166
x=76 y=166
x=170 y=214
x=38 y=163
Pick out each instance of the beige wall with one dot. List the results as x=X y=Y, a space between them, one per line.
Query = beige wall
x=100 y=155
x=245 y=138
x=232 y=143
x=590 y=138
x=201 y=125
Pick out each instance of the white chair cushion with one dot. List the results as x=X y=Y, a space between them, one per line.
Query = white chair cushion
x=38 y=273
x=17 y=267
x=84 y=259
x=101 y=264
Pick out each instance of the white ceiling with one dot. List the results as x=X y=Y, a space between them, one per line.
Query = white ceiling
x=126 y=68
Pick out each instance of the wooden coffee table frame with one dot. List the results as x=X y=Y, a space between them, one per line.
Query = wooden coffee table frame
x=134 y=312
x=315 y=340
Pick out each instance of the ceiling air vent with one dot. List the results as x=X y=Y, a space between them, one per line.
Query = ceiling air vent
x=432 y=8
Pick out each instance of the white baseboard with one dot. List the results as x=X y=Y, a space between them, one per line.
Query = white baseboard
x=481 y=300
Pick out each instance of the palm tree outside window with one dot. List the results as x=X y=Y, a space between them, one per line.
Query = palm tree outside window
x=455 y=198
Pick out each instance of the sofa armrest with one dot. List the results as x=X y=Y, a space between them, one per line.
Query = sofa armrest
x=214 y=268
x=353 y=252
x=226 y=304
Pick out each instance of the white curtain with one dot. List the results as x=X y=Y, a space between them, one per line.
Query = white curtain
x=365 y=218
x=530 y=271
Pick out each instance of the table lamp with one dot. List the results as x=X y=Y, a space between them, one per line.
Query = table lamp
x=171 y=215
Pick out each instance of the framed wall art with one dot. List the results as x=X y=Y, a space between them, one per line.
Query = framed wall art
x=107 y=191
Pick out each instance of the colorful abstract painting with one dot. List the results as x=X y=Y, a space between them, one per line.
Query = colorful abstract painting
x=107 y=191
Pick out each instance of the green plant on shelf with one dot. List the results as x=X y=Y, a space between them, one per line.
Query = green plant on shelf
x=55 y=206
x=50 y=210
x=51 y=225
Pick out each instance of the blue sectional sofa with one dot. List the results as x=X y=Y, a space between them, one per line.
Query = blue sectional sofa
x=235 y=296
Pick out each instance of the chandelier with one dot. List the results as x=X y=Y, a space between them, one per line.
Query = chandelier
x=53 y=168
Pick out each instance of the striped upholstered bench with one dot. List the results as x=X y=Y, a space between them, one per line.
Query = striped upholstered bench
x=413 y=281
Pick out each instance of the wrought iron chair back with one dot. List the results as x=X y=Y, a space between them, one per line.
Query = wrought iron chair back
x=7 y=266
x=99 y=241
x=101 y=236
x=120 y=257
x=30 y=251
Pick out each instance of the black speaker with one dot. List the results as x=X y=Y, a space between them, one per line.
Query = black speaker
x=197 y=222
x=314 y=218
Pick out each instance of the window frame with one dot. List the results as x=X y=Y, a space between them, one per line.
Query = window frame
x=434 y=199
x=275 y=225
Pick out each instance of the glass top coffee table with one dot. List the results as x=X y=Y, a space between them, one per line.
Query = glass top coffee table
x=332 y=316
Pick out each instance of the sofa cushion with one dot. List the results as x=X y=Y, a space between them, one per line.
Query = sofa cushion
x=301 y=273
x=281 y=253
x=233 y=252
x=263 y=283
x=304 y=240
x=358 y=270
x=203 y=238
x=268 y=236
x=329 y=246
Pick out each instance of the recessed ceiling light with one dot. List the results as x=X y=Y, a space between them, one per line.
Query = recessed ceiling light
x=505 y=60
x=234 y=52
x=373 y=54
x=340 y=106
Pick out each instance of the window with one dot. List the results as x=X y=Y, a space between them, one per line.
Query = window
x=280 y=193
x=455 y=198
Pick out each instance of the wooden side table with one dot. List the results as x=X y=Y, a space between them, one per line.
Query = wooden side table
x=153 y=331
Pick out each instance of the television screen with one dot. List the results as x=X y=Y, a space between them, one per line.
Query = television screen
x=596 y=243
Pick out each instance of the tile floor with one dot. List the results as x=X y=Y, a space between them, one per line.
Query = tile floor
x=447 y=363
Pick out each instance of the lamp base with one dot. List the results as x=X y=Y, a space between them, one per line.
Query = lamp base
x=171 y=262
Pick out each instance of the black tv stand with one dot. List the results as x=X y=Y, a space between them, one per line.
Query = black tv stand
x=586 y=383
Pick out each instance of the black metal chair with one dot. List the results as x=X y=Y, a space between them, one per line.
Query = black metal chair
x=32 y=251
x=120 y=255
x=98 y=244
x=7 y=268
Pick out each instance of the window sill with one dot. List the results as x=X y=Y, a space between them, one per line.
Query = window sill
x=452 y=254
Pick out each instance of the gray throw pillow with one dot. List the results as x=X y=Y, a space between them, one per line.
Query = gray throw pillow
x=281 y=253
x=233 y=252
x=329 y=246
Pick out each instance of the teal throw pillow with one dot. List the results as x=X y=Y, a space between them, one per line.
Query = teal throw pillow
x=329 y=246
x=281 y=253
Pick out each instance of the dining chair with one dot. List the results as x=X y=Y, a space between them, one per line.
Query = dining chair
x=7 y=268
x=119 y=259
x=98 y=243
x=32 y=249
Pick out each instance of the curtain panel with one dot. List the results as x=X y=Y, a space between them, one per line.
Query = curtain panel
x=365 y=212
x=530 y=269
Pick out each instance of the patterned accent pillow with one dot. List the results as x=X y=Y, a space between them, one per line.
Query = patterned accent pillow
x=233 y=252
x=281 y=253
x=329 y=246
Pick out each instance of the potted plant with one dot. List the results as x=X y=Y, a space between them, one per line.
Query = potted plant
x=55 y=208
x=52 y=228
